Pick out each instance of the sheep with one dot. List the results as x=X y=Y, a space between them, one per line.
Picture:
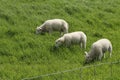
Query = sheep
x=68 y=39
x=53 y=25
x=98 y=50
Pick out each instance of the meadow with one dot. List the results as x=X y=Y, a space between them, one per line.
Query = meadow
x=24 y=54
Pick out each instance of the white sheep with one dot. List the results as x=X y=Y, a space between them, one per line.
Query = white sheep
x=53 y=25
x=98 y=50
x=77 y=37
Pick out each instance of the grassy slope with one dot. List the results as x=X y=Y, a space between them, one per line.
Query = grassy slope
x=22 y=52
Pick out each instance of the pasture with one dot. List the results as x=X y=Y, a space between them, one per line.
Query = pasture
x=24 y=54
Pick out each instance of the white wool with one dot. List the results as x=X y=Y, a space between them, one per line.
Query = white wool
x=68 y=39
x=53 y=25
x=98 y=50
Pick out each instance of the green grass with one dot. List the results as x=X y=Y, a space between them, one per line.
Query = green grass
x=24 y=54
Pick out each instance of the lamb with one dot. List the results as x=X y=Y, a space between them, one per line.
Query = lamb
x=98 y=50
x=68 y=39
x=53 y=25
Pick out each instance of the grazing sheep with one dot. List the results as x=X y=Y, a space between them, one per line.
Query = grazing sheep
x=72 y=38
x=53 y=25
x=98 y=50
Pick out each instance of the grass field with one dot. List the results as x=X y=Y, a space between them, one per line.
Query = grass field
x=24 y=54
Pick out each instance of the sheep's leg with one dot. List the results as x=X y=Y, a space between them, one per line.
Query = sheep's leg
x=65 y=31
x=100 y=56
x=68 y=43
x=110 y=54
x=50 y=31
x=110 y=50
x=61 y=33
x=83 y=44
x=104 y=55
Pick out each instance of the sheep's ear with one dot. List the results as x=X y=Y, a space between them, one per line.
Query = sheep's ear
x=40 y=28
x=37 y=27
x=86 y=53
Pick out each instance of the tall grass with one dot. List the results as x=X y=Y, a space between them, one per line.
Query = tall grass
x=25 y=54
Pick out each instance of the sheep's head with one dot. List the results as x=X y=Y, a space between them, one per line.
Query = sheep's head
x=39 y=30
x=88 y=58
x=59 y=42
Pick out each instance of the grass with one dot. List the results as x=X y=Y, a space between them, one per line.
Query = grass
x=24 y=54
